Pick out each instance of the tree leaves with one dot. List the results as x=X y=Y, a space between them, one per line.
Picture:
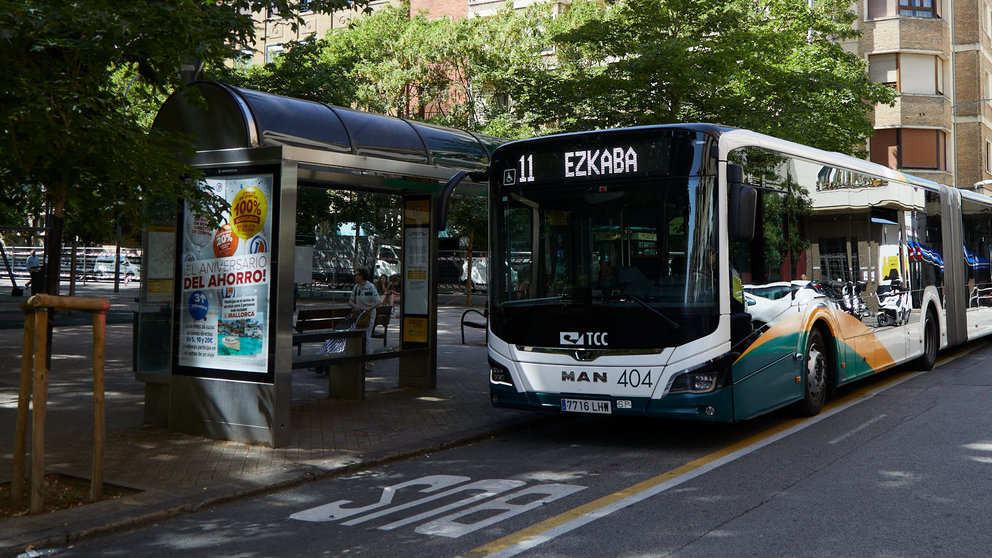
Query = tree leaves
x=82 y=81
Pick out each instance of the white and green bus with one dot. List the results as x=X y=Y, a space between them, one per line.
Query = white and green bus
x=704 y=272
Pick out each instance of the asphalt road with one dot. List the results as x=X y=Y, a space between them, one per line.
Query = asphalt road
x=899 y=465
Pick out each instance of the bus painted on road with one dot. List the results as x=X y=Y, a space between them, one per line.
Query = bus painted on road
x=704 y=272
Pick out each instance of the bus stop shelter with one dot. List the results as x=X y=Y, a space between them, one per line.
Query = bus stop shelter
x=213 y=335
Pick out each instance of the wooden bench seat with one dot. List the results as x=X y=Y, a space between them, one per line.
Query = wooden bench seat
x=382 y=315
x=320 y=318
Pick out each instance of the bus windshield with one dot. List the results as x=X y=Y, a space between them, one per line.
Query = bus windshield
x=637 y=257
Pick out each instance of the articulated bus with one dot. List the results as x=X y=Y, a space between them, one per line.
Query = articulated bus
x=704 y=272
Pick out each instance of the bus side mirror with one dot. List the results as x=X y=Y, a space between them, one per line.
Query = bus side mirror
x=741 y=206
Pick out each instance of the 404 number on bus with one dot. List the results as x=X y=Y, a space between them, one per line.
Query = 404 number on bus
x=632 y=378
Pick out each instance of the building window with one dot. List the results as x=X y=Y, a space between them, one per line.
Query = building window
x=918 y=74
x=919 y=8
x=880 y=8
x=921 y=74
x=909 y=148
x=244 y=58
x=988 y=156
x=884 y=68
x=987 y=18
x=273 y=52
x=939 y=74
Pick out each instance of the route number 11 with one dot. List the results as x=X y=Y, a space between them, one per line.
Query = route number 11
x=526 y=168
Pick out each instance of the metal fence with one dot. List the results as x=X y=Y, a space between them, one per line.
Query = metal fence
x=92 y=262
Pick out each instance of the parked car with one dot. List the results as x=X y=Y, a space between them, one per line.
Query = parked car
x=387 y=261
x=103 y=267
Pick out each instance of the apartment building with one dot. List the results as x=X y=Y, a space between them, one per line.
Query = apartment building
x=938 y=55
x=273 y=31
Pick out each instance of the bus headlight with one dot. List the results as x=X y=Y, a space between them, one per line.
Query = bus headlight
x=706 y=377
x=702 y=382
x=499 y=374
x=693 y=383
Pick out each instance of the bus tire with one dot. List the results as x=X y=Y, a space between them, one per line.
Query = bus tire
x=816 y=374
x=931 y=340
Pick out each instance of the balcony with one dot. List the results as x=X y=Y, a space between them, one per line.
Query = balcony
x=915 y=110
x=907 y=33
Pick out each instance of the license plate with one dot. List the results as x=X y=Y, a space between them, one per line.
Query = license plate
x=585 y=406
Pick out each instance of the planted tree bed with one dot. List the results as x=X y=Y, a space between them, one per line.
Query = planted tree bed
x=61 y=492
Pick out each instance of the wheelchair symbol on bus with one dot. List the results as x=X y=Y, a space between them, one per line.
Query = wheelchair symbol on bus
x=509 y=176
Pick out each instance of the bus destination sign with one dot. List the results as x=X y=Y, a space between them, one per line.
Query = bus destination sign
x=601 y=157
x=578 y=164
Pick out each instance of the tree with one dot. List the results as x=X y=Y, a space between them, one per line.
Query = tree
x=468 y=218
x=458 y=74
x=773 y=66
x=70 y=68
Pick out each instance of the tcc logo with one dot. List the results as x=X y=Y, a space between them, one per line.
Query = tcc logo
x=575 y=338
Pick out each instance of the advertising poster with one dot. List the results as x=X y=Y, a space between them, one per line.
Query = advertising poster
x=225 y=276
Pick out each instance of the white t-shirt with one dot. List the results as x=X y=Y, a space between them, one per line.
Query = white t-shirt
x=364 y=297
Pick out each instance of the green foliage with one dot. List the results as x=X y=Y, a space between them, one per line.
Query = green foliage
x=461 y=74
x=468 y=218
x=772 y=66
x=82 y=80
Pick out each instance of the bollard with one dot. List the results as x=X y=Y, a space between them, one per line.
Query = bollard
x=35 y=386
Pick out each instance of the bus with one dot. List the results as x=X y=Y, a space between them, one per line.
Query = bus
x=704 y=272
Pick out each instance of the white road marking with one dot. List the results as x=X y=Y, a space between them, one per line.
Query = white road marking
x=843 y=437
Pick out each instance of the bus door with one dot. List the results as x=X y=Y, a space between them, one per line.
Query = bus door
x=843 y=245
x=977 y=283
x=887 y=293
x=768 y=291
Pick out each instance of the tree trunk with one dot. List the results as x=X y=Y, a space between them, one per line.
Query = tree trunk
x=53 y=256
x=355 y=257
x=72 y=268
x=53 y=242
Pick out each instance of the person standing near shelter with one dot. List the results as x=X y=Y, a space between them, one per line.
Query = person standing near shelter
x=34 y=268
x=363 y=300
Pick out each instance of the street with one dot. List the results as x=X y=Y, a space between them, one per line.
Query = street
x=898 y=465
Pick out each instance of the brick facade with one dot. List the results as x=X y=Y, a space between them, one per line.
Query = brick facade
x=453 y=9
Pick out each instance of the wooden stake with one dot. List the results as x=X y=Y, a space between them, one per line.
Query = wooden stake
x=99 y=421
x=23 y=399
x=34 y=390
x=40 y=398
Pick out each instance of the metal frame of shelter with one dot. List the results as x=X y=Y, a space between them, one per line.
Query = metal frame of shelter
x=243 y=136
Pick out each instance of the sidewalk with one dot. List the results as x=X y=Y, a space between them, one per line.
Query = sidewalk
x=179 y=473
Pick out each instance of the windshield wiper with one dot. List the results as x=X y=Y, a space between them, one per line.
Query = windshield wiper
x=671 y=323
x=524 y=301
x=561 y=298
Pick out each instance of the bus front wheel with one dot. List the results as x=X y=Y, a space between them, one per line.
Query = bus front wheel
x=815 y=373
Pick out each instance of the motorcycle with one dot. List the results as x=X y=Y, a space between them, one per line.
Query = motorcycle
x=894 y=304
